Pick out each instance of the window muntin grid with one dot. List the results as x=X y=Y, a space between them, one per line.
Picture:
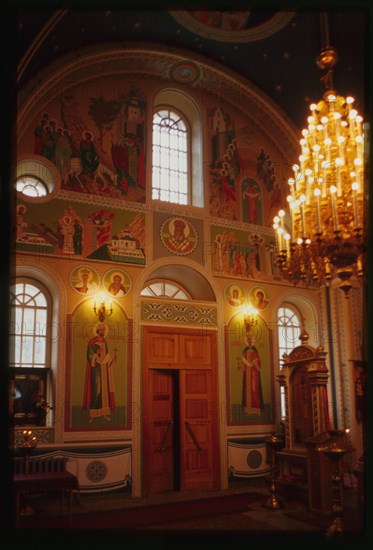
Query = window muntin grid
x=289 y=330
x=28 y=329
x=170 y=179
x=162 y=289
x=31 y=186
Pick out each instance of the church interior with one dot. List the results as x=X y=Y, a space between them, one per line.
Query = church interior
x=187 y=299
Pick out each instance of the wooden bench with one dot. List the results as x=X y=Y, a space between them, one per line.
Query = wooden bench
x=25 y=484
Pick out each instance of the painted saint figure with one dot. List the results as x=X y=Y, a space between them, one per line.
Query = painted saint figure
x=235 y=299
x=88 y=153
x=67 y=230
x=261 y=301
x=178 y=240
x=251 y=195
x=85 y=284
x=252 y=397
x=21 y=210
x=77 y=237
x=99 y=383
x=116 y=287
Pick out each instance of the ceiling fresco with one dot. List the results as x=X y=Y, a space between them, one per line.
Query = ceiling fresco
x=275 y=50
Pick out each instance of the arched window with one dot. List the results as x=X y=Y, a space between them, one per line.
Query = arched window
x=289 y=330
x=37 y=179
x=29 y=357
x=28 y=336
x=177 y=164
x=165 y=289
x=170 y=158
x=31 y=186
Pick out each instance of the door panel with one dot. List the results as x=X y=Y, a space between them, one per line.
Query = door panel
x=195 y=350
x=196 y=430
x=162 y=349
x=161 y=431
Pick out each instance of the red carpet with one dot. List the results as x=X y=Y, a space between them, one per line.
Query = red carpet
x=147 y=515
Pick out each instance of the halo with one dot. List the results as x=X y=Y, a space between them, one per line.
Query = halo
x=125 y=280
x=235 y=287
x=94 y=329
x=90 y=276
x=171 y=226
x=115 y=274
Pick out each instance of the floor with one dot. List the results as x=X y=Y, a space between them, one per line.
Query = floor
x=294 y=518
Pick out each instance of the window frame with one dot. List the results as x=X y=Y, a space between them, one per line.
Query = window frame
x=34 y=380
x=299 y=317
x=189 y=161
x=41 y=169
x=30 y=180
x=165 y=296
x=49 y=307
x=296 y=312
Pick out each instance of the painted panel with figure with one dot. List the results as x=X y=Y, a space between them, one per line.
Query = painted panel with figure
x=95 y=135
x=99 y=356
x=249 y=372
x=81 y=231
x=236 y=252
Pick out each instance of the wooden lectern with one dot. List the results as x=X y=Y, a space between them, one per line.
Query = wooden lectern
x=304 y=377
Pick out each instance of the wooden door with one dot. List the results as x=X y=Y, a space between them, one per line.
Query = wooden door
x=161 y=432
x=198 y=452
x=180 y=409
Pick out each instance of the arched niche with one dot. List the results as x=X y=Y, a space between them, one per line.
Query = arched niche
x=191 y=280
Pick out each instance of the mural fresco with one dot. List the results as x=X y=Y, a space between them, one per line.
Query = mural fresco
x=251 y=202
x=84 y=279
x=235 y=295
x=179 y=236
x=235 y=195
x=235 y=252
x=236 y=26
x=225 y=168
x=117 y=283
x=99 y=371
x=259 y=298
x=266 y=174
x=97 y=142
x=249 y=350
x=81 y=231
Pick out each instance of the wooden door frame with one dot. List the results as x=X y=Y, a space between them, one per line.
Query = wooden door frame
x=174 y=365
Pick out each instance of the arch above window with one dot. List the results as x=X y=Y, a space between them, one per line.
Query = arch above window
x=177 y=175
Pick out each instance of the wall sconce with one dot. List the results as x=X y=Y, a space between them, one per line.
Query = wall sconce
x=250 y=316
x=102 y=311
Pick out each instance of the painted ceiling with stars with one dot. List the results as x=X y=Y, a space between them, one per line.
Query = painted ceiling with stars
x=275 y=50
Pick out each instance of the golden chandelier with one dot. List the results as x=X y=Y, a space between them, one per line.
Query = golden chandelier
x=325 y=204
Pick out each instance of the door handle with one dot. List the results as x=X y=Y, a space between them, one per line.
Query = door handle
x=162 y=448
